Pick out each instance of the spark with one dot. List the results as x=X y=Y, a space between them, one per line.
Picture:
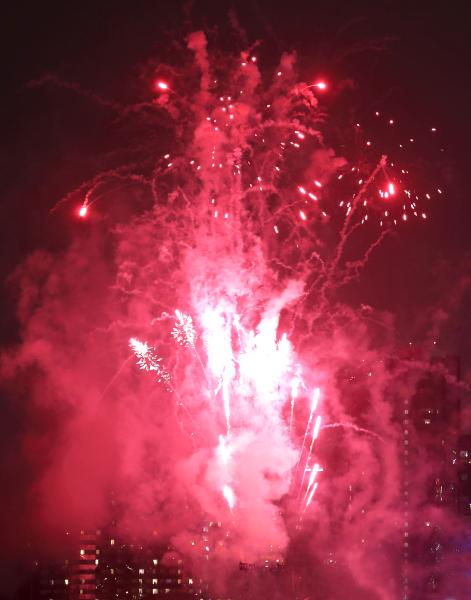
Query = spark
x=315 y=431
x=229 y=495
x=247 y=364
x=314 y=403
x=184 y=331
x=162 y=85
x=314 y=488
x=312 y=484
x=148 y=360
x=295 y=384
x=223 y=450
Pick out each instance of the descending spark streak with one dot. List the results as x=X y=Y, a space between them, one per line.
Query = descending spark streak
x=220 y=355
x=315 y=470
x=223 y=450
x=314 y=488
x=295 y=383
x=229 y=495
x=315 y=432
x=314 y=402
x=227 y=402
x=225 y=454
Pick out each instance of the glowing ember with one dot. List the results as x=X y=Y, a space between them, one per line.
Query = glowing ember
x=184 y=331
x=148 y=360
x=229 y=495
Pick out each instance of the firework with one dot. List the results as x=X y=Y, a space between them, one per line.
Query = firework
x=148 y=360
x=252 y=215
x=184 y=331
x=250 y=144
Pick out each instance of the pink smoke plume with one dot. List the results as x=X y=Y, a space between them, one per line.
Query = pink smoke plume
x=179 y=352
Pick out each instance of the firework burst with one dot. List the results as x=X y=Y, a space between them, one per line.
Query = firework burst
x=249 y=223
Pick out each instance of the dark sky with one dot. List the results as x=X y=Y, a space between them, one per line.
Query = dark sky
x=409 y=58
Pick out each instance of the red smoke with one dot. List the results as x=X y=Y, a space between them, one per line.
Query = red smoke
x=228 y=240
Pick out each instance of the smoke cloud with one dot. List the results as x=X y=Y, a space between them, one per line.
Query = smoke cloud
x=246 y=229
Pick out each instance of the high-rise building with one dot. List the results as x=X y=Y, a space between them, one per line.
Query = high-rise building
x=83 y=567
x=136 y=571
x=54 y=581
x=429 y=486
x=464 y=475
x=47 y=581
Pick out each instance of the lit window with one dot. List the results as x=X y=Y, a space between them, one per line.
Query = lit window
x=112 y=571
x=82 y=552
x=155 y=561
x=96 y=561
x=155 y=591
x=141 y=571
x=112 y=542
x=190 y=581
x=141 y=591
x=66 y=581
x=155 y=581
x=97 y=551
x=52 y=581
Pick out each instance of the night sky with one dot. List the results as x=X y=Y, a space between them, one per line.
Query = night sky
x=410 y=60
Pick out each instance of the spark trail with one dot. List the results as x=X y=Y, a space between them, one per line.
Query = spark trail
x=250 y=191
x=232 y=271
